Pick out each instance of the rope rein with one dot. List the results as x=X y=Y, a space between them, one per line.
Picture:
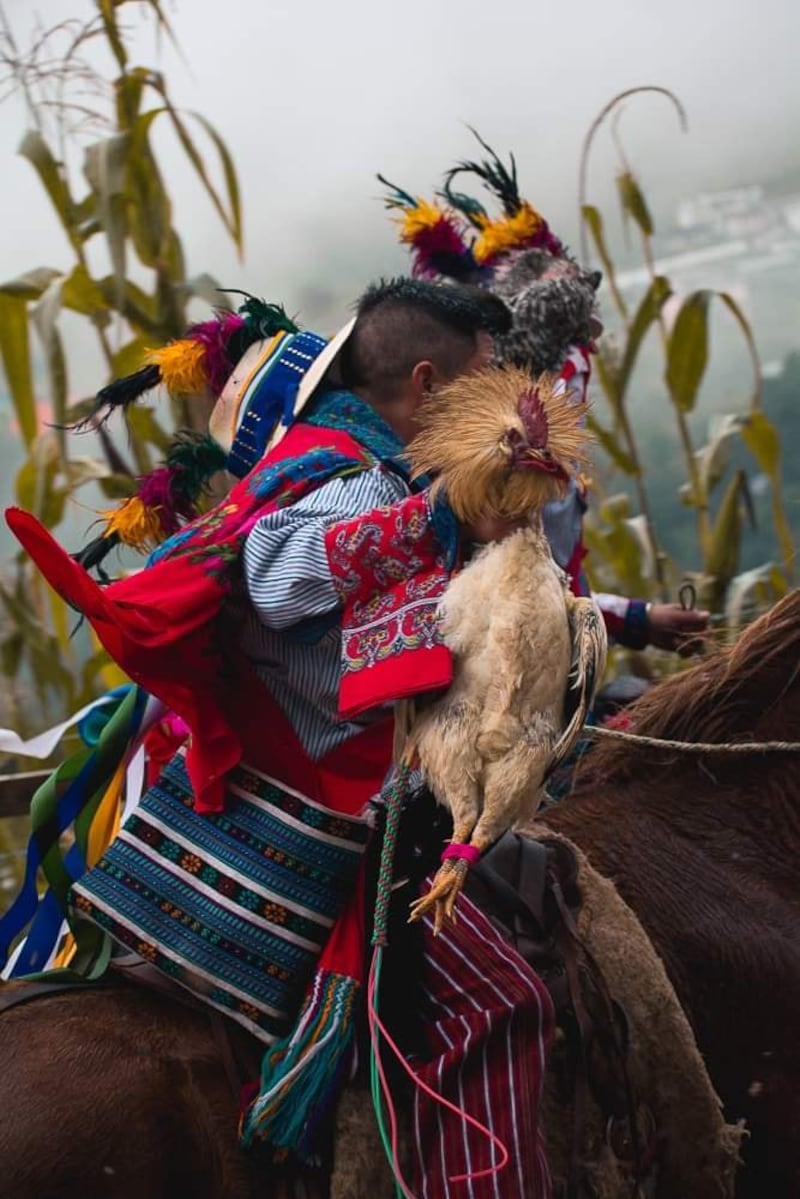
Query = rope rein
x=695 y=747
x=688 y=598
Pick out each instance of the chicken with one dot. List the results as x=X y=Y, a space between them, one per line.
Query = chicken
x=528 y=655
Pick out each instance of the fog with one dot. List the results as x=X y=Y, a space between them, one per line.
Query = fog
x=313 y=99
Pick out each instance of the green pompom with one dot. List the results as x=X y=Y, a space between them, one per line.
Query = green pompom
x=194 y=458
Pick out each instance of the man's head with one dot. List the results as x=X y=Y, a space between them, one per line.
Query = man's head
x=411 y=337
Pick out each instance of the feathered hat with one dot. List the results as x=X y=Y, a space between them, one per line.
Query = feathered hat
x=252 y=362
x=513 y=253
x=453 y=235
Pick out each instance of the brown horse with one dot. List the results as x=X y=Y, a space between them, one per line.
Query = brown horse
x=706 y=850
x=119 y=1092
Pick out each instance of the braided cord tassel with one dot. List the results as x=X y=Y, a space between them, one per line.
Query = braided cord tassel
x=394 y=796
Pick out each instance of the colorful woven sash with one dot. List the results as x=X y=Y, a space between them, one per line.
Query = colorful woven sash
x=81 y=798
x=237 y=906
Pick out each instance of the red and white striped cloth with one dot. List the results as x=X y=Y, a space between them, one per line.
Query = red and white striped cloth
x=489 y=1025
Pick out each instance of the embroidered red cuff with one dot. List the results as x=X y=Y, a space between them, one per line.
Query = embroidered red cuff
x=390 y=572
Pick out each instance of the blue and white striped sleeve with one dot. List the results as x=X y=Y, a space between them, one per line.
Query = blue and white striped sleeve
x=285 y=565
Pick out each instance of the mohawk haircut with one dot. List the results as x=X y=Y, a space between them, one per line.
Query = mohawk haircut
x=403 y=321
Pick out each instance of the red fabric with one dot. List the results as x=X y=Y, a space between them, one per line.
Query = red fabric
x=344 y=780
x=161 y=743
x=615 y=624
x=489 y=1025
x=574 y=570
x=464 y=853
x=160 y=625
x=389 y=570
x=613 y=620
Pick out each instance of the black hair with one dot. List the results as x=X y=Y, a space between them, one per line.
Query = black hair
x=400 y=322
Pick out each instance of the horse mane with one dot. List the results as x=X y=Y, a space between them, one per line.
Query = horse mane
x=721 y=698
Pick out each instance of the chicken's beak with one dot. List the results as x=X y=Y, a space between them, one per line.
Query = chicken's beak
x=540 y=460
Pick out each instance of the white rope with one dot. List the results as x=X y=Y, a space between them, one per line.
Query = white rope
x=695 y=747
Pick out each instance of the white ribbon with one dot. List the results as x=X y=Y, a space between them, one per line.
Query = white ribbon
x=43 y=744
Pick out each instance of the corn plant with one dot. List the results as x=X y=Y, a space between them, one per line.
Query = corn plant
x=116 y=208
x=626 y=548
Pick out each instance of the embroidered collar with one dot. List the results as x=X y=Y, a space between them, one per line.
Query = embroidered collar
x=345 y=411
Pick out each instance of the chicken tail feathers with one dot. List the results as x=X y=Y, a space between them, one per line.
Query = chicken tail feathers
x=589 y=651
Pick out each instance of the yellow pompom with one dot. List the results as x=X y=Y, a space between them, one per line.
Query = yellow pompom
x=182 y=366
x=416 y=220
x=134 y=524
x=497 y=237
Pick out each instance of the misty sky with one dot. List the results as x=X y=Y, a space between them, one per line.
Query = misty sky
x=314 y=98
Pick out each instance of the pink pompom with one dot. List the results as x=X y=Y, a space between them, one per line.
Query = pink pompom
x=215 y=336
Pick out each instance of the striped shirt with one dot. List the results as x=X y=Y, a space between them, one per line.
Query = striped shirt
x=291 y=632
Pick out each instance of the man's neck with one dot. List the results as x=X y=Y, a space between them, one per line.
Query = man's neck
x=398 y=413
x=361 y=419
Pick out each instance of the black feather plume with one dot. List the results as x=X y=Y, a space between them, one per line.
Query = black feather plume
x=94 y=554
x=472 y=209
x=397 y=198
x=194 y=458
x=263 y=317
x=500 y=180
x=118 y=395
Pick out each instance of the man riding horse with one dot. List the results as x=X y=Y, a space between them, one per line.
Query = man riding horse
x=241 y=873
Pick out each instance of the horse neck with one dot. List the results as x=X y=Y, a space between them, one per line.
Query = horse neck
x=675 y=823
x=745 y=806
x=742 y=810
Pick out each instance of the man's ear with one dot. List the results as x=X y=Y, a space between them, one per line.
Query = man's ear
x=423 y=378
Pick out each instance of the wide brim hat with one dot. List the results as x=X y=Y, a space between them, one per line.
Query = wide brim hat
x=260 y=398
x=324 y=368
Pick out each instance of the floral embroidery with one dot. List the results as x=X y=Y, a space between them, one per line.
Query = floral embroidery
x=150 y=835
x=389 y=569
x=411 y=628
x=214 y=541
x=248 y=1009
x=274 y=912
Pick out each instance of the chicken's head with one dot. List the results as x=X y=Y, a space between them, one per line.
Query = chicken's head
x=499 y=442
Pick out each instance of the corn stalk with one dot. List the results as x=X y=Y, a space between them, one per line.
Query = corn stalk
x=118 y=204
x=685 y=353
